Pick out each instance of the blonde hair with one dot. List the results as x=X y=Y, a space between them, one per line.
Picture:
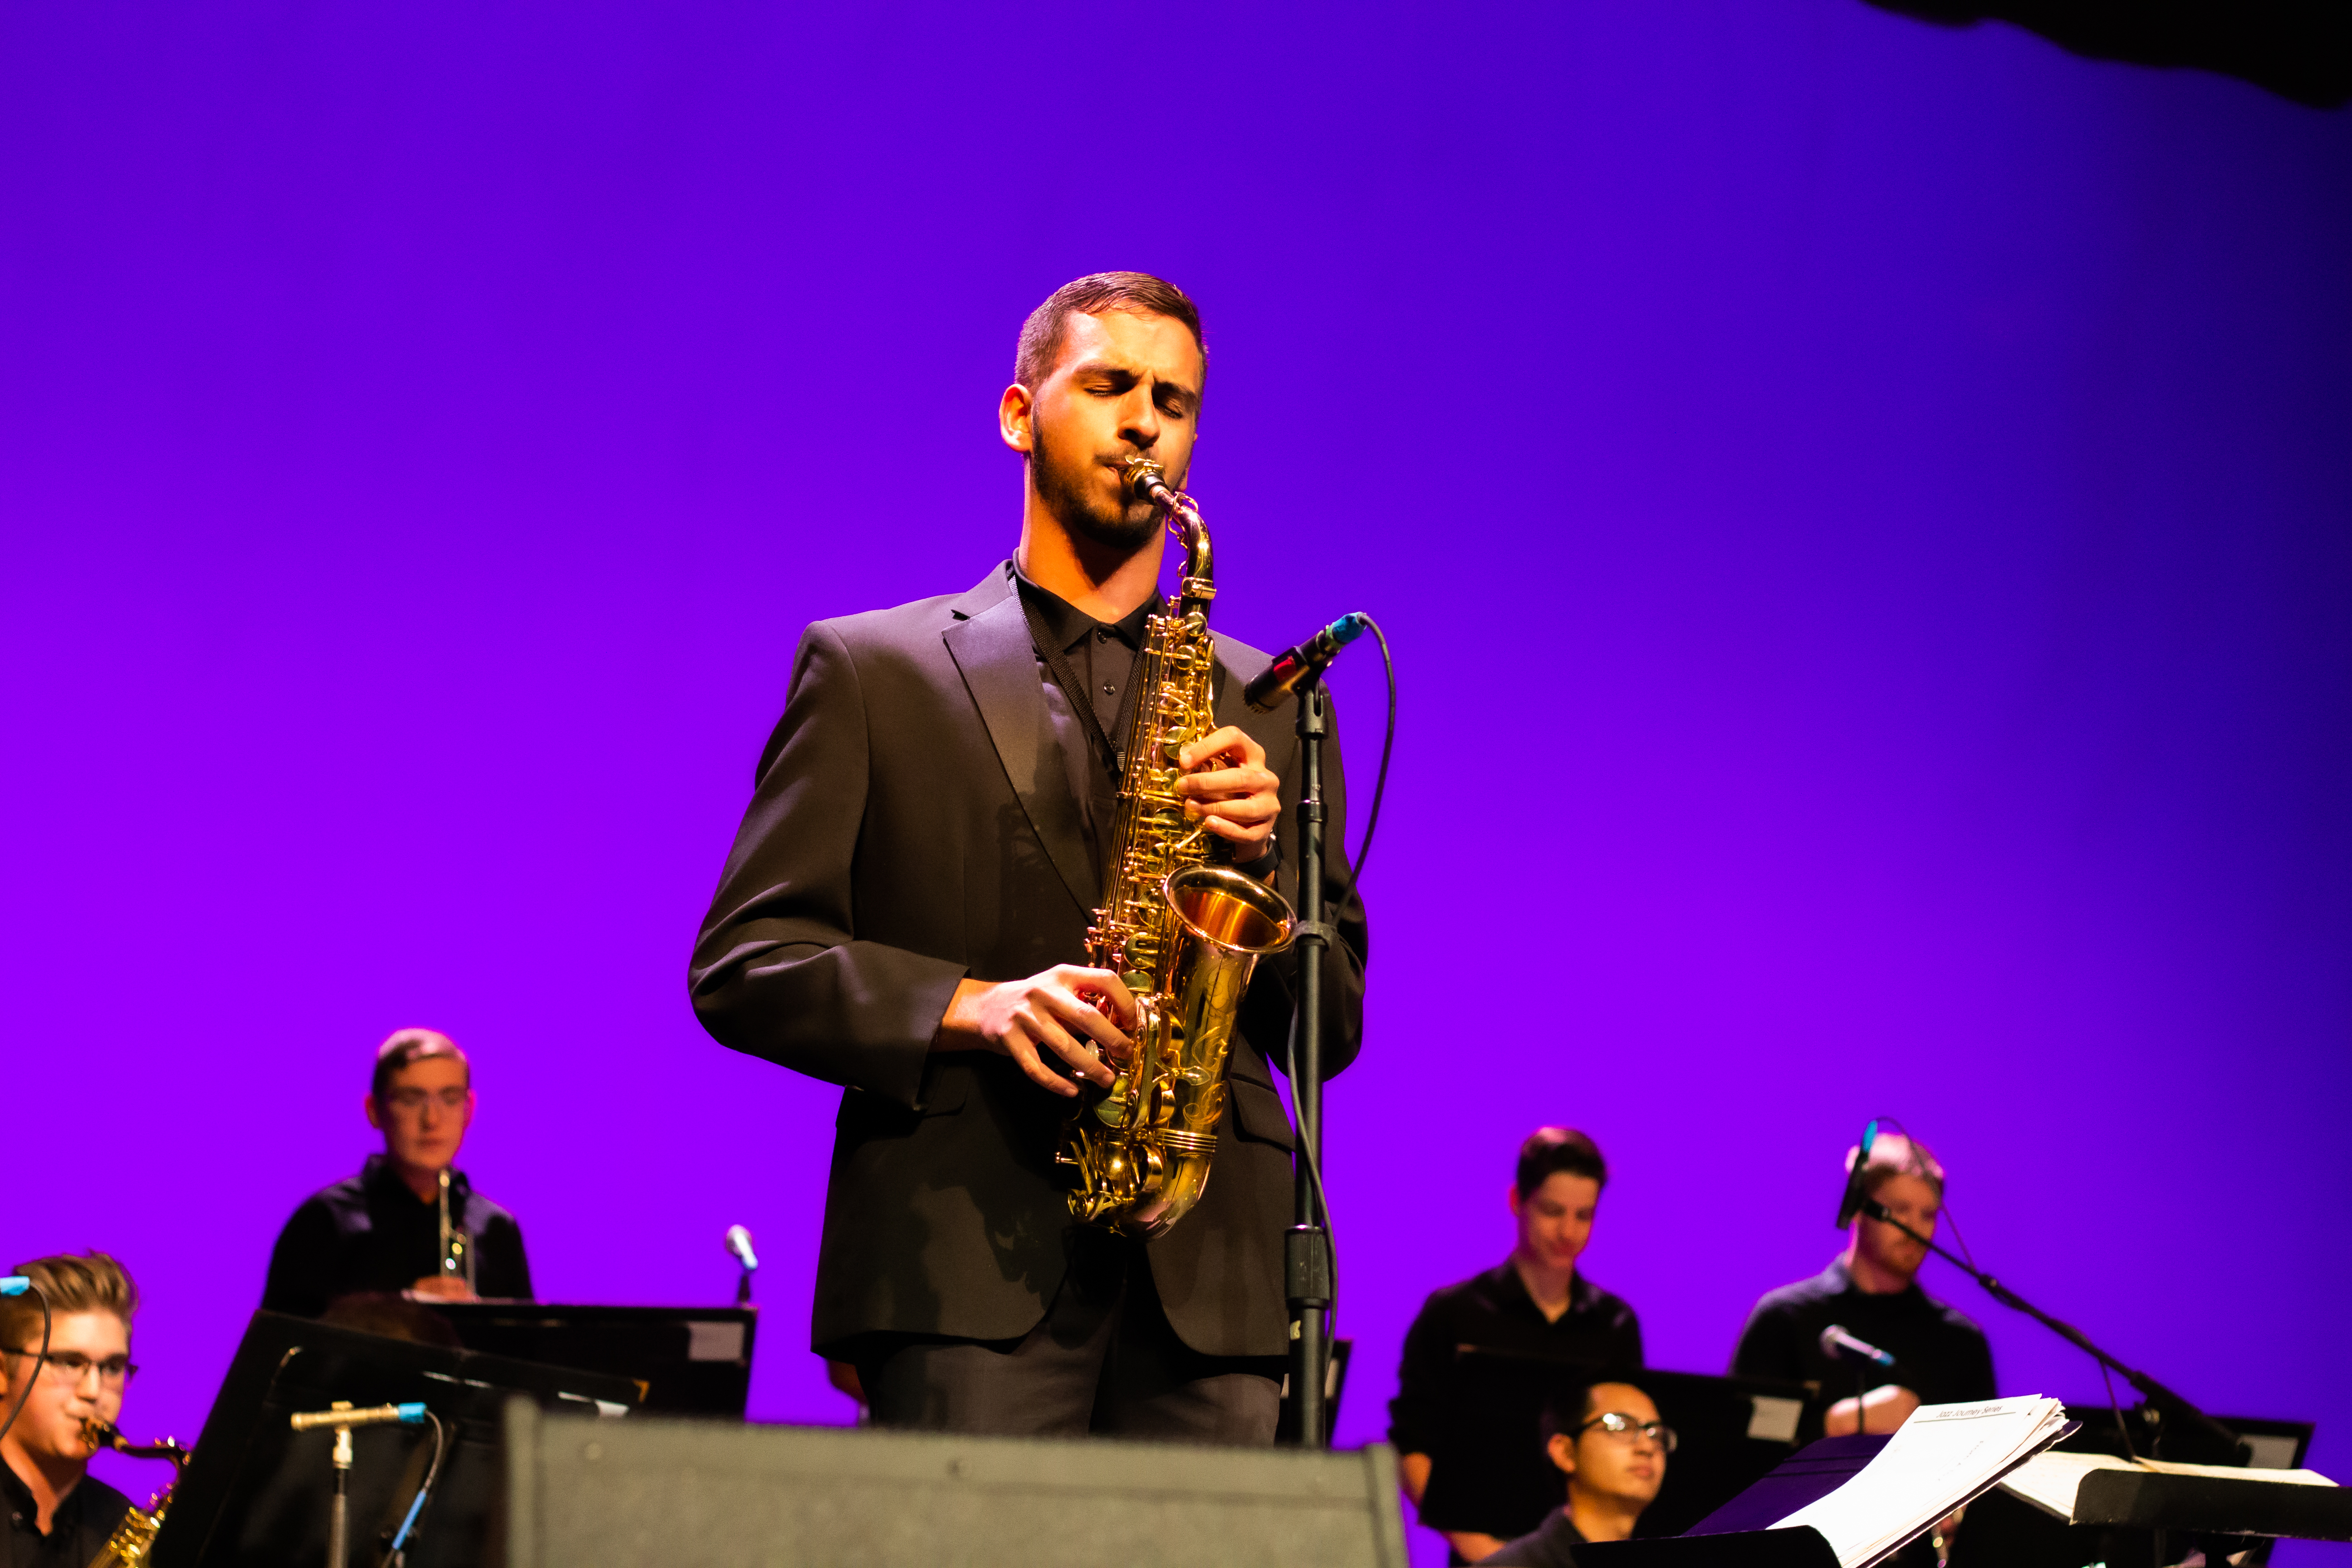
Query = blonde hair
x=73 y=1283
x=1893 y=1154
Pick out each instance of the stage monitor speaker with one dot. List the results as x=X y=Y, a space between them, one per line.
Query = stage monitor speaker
x=665 y=1493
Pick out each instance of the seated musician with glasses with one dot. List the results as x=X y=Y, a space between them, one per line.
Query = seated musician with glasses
x=57 y=1513
x=410 y=1222
x=1612 y=1446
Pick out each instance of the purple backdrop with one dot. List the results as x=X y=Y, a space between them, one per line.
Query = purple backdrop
x=1862 y=509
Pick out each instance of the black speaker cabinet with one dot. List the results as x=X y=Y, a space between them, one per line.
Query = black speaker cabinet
x=667 y=1493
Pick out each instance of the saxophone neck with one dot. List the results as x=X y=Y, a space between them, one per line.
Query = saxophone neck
x=1198 y=584
x=1147 y=481
x=103 y=1435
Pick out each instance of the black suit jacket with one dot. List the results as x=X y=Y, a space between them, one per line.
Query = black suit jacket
x=913 y=824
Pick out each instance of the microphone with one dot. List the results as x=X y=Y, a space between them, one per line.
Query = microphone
x=1295 y=666
x=374 y=1415
x=739 y=1242
x=15 y=1284
x=1850 y=1205
x=1839 y=1345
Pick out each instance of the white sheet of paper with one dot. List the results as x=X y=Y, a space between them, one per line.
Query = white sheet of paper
x=1942 y=1456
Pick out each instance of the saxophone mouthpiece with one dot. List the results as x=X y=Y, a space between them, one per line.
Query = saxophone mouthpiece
x=1146 y=481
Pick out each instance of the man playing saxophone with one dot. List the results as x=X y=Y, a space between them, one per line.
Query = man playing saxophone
x=58 y=1513
x=905 y=913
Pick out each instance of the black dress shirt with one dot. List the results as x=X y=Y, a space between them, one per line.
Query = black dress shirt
x=1939 y=1355
x=372 y=1233
x=77 y=1530
x=1102 y=656
x=1493 y=1312
x=1546 y=1546
x=1482 y=1415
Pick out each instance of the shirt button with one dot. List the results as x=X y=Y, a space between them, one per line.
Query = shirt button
x=1102 y=633
x=1110 y=691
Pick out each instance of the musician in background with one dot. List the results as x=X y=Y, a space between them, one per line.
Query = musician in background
x=58 y=1515
x=1534 y=1303
x=384 y=1229
x=1612 y=1447
x=1872 y=1291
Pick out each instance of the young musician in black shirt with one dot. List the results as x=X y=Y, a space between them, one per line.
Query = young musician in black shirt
x=58 y=1516
x=381 y=1231
x=1533 y=1304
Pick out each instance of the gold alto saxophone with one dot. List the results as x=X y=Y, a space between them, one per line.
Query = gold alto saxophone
x=1181 y=933
x=135 y=1536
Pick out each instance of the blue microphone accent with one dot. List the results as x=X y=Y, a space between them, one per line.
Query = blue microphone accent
x=1869 y=1136
x=412 y=1415
x=1347 y=628
x=15 y=1284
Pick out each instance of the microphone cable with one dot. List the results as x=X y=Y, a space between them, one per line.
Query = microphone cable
x=393 y=1556
x=39 y=1360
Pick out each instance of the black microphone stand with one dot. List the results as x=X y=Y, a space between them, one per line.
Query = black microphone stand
x=1307 y=1246
x=2155 y=1393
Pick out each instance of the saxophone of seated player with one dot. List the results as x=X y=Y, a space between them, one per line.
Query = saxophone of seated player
x=1181 y=933
x=135 y=1538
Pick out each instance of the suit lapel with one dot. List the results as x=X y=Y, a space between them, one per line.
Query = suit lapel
x=998 y=660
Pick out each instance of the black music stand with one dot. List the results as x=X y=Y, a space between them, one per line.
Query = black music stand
x=256 y=1493
x=2006 y=1531
x=693 y=1361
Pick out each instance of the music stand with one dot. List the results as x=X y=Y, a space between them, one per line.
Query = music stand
x=256 y=1493
x=693 y=1361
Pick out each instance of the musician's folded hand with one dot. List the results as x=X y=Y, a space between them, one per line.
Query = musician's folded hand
x=1228 y=787
x=1044 y=1022
x=441 y=1288
x=1883 y=1409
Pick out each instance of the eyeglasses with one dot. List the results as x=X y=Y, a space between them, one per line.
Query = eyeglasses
x=1625 y=1429
x=411 y=1101
x=69 y=1367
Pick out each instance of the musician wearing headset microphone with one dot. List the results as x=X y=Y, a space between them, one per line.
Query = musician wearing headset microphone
x=1870 y=1295
x=904 y=913
x=59 y=1515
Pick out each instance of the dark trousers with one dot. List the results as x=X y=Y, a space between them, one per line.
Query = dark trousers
x=1103 y=1361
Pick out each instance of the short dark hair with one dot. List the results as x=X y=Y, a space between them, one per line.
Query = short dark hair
x=73 y=1283
x=1048 y=325
x=1551 y=1149
x=1567 y=1410
x=405 y=1048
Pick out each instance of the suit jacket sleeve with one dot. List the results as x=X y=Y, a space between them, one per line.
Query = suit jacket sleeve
x=779 y=970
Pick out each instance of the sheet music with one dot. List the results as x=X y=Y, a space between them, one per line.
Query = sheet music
x=1943 y=1455
x=2049 y=1481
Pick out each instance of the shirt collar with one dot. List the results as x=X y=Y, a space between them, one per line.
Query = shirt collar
x=377 y=1175
x=1069 y=625
x=1582 y=1292
x=1840 y=1279
x=20 y=1501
